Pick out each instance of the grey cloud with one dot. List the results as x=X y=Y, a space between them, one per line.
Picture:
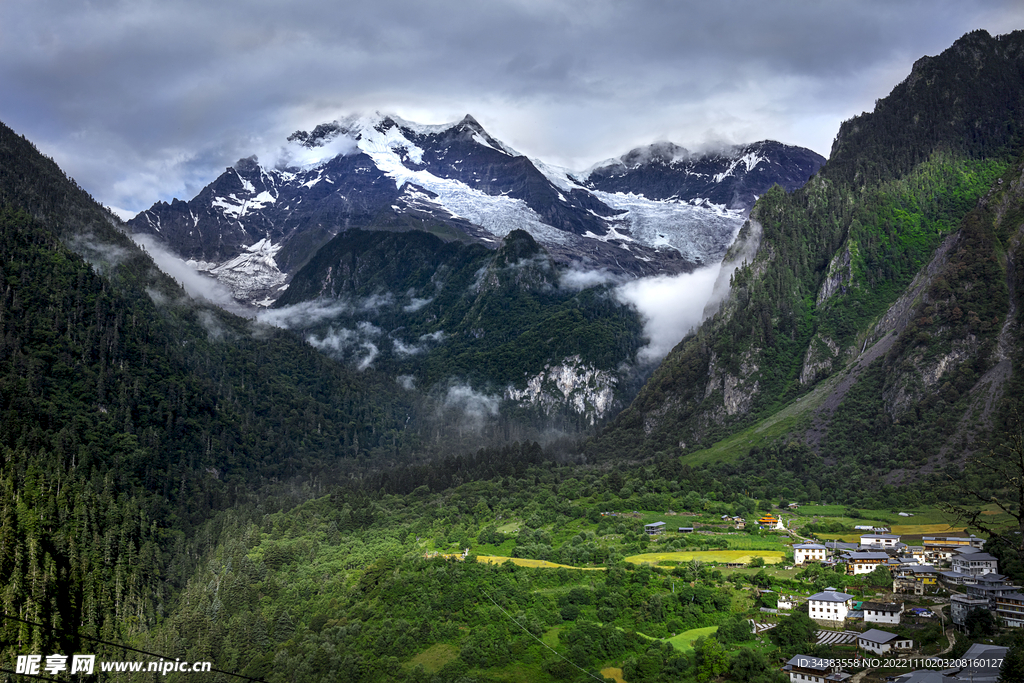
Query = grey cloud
x=141 y=101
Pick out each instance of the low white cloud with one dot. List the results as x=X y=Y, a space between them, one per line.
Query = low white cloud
x=158 y=297
x=407 y=382
x=416 y=304
x=303 y=314
x=296 y=155
x=355 y=343
x=670 y=306
x=577 y=280
x=403 y=349
x=100 y=255
x=197 y=285
x=742 y=252
x=214 y=330
x=375 y=301
x=308 y=313
x=476 y=408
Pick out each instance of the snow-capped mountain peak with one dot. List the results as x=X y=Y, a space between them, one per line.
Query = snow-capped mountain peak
x=733 y=176
x=656 y=209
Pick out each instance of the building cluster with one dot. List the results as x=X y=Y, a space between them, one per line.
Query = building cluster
x=980 y=664
x=958 y=564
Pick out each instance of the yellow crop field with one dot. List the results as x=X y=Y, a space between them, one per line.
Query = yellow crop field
x=522 y=562
x=745 y=556
x=614 y=673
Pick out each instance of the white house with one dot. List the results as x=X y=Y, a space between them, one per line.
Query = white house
x=809 y=552
x=884 y=540
x=881 y=642
x=882 y=612
x=830 y=605
x=974 y=563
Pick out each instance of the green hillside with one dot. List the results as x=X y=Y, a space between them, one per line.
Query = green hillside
x=829 y=296
x=129 y=414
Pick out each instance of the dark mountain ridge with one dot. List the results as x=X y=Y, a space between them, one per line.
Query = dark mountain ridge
x=734 y=177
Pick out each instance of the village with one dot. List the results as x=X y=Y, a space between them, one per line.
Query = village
x=952 y=574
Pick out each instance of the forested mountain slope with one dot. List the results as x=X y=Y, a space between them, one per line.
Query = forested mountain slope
x=443 y=316
x=129 y=413
x=836 y=255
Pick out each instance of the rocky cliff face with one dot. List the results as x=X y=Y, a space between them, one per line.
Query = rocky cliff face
x=840 y=273
x=821 y=354
x=573 y=384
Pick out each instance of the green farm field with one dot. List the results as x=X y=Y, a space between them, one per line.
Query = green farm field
x=684 y=641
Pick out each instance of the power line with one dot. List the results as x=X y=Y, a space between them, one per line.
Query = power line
x=541 y=641
x=123 y=647
x=42 y=678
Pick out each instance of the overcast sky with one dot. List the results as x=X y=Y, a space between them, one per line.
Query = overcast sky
x=143 y=100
